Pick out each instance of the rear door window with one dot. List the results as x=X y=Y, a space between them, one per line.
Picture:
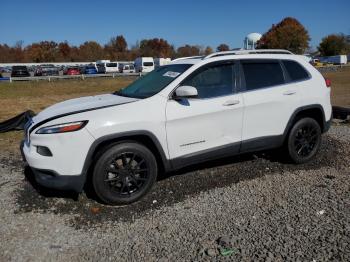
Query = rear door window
x=295 y=71
x=262 y=73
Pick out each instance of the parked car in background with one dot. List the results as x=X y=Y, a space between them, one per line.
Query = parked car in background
x=89 y=69
x=144 y=64
x=106 y=66
x=6 y=69
x=101 y=66
x=19 y=71
x=161 y=61
x=46 y=70
x=72 y=71
x=126 y=68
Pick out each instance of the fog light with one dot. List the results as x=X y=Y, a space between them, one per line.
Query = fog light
x=43 y=150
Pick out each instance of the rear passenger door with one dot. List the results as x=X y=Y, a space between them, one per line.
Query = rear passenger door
x=269 y=101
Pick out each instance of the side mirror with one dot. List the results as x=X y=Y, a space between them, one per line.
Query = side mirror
x=186 y=92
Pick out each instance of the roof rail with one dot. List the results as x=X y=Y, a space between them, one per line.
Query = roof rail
x=246 y=52
x=188 y=57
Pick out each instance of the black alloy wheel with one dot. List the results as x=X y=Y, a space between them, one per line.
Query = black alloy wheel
x=124 y=173
x=304 y=140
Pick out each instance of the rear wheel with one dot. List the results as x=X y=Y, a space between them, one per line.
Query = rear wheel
x=304 y=140
x=124 y=173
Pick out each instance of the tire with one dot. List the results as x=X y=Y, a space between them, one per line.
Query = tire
x=124 y=173
x=304 y=140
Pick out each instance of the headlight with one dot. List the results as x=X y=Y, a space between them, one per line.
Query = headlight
x=62 y=128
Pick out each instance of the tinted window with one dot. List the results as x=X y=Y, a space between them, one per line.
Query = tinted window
x=259 y=74
x=212 y=81
x=112 y=65
x=147 y=63
x=295 y=70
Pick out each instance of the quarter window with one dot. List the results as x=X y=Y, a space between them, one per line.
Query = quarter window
x=212 y=81
x=295 y=71
x=260 y=74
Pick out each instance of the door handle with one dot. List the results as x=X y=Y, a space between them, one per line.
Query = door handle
x=289 y=93
x=231 y=102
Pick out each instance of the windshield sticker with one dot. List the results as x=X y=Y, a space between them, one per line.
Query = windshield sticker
x=171 y=74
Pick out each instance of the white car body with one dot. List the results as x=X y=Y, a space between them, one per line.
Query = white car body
x=183 y=134
x=144 y=64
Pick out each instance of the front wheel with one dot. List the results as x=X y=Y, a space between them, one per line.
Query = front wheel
x=304 y=140
x=124 y=173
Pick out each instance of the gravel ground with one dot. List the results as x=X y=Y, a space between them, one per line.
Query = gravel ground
x=252 y=207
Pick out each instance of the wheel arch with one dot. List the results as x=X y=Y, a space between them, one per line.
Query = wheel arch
x=313 y=111
x=143 y=137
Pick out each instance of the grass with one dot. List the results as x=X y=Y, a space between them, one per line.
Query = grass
x=20 y=96
x=340 y=92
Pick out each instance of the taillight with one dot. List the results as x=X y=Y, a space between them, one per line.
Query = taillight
x=328 y=82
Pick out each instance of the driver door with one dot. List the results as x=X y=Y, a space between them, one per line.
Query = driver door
x=209 y=125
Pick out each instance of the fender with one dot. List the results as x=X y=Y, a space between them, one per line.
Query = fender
x=325 y=124
x=99 y=141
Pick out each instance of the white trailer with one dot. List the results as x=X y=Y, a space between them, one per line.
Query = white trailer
x=336 y=59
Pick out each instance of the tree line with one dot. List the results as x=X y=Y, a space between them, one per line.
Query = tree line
x=116 y=50
x=288 y=34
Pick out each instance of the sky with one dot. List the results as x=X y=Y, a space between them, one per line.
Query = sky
x=200 y=22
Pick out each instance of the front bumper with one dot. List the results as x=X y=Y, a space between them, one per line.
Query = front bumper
x=51 y=179
x=63 y=168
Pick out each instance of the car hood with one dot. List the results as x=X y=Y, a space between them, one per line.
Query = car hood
x=78 y=105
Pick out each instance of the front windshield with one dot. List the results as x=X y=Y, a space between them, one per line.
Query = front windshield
x=153 y=82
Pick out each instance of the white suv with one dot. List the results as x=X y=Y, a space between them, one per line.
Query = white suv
x=192 y=110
